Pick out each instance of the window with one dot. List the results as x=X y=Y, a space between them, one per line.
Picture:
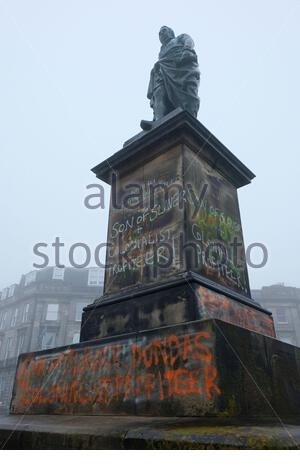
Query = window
x=14 y=317
x=4 y=293
x=76 y=338
x=26 y=312
x=30 y=277
x=11 y=290
x=48 y=339
x=2 y=320
x=20 y=343
x=95 y=277
x=78 y=312
x=281 y=315
x=58 y=273
x=9 y=343
x=52 y=312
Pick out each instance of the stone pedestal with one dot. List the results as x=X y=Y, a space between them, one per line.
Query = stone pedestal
x=201 y=368
x=175 y=242
x=176 y=333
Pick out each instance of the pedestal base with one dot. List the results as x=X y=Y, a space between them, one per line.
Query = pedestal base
x=200 y=368
x=186 y=297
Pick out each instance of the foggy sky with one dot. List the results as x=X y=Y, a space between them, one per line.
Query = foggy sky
x=73 y=83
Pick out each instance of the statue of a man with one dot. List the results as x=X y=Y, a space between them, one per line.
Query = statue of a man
x=175 y=77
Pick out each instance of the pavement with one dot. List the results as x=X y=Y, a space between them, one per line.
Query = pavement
x=144 y=432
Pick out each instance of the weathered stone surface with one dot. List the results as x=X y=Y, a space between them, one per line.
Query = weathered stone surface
x=201 y=368
x=136 y=231
x=136 y=432
x=178 y=127
x=214 y=227
x=216 y=305
x=139 y=312
x=185 y=217
x=174 y=214
x=176 y=302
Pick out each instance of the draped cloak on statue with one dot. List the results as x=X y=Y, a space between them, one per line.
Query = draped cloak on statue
x=178 y=72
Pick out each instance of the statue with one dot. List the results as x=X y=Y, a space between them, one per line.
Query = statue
x=175 y=77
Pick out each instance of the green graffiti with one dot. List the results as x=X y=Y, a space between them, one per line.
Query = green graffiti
x=214 y=224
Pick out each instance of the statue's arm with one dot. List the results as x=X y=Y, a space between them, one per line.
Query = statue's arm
x=150 y=87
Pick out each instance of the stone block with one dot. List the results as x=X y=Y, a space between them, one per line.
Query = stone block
x=200 y=368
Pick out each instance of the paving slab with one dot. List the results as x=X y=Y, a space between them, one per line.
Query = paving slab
x=40 y=432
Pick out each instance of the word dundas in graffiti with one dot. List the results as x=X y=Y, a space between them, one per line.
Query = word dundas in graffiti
x=149 y=369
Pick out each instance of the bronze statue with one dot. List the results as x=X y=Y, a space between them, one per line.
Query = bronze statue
x=175 y=77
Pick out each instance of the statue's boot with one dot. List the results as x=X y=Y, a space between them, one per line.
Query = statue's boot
x=146 y=125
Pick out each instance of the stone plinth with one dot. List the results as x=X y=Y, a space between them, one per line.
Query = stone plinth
x=176 y=333
x=182 y=299
x=176 y=251
x=201 y=368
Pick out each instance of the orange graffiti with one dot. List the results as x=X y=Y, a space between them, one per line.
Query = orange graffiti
x=157 y=369
x=216 y=305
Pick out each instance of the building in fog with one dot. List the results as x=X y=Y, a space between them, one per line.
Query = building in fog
x=284 y=303
x=42 y=311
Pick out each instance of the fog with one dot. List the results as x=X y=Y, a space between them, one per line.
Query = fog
x=73 y=88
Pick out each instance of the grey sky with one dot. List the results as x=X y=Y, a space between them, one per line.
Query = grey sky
x=73 y=89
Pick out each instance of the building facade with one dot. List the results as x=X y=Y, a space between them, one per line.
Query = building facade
x=284 y=303
x=43 y=311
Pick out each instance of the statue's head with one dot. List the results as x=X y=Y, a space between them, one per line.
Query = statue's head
x=166 y=34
